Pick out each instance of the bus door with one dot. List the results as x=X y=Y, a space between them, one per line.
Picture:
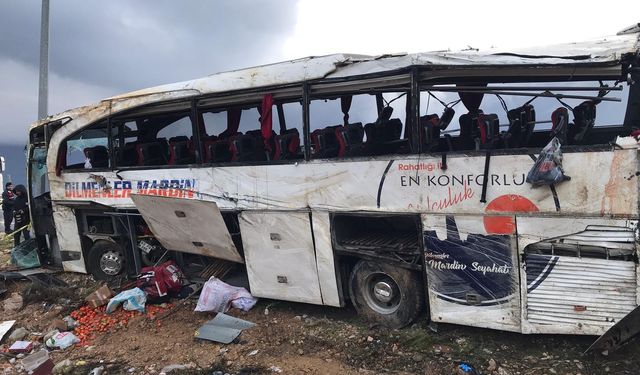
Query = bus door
x=40 y=205
x=187 y=225
x=280 y=255
x=579 y=276
x=471 y=268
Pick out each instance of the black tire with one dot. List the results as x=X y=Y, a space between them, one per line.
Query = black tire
x=106 y=260
x=387 y=294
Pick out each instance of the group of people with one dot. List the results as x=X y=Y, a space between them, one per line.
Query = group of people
x=15 y=208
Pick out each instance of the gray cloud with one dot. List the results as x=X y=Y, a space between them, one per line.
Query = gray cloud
x=138 y=44
x=100 y=48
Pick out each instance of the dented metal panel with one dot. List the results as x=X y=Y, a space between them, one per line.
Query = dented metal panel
x=280 y=256
x=327 y=273
x=408 y=183
x=471 y=267
x=578 y=295
x=190 y=226
x=579 y=276
x=68 y=238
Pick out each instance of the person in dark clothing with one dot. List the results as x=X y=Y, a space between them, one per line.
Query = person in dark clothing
x=8 y=198
x=21 y=213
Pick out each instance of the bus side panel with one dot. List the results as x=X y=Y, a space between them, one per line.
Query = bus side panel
x=471 y=266
x=280 y=257
x=578 y=276
x=325 y=259
x=68 y=239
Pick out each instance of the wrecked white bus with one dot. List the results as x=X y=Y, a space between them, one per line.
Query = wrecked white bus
x=395 y=182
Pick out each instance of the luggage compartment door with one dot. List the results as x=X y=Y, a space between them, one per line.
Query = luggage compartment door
x=579 y=275
x=187 y=225
x=472 y=273
x=280 y=256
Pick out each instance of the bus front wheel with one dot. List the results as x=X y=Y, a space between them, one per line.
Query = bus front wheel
x=106 y=260
x=387 y=294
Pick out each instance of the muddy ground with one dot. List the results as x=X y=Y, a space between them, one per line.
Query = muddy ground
x=293 y=338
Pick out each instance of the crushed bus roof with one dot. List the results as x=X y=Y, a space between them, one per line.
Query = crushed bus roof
x=608 y=50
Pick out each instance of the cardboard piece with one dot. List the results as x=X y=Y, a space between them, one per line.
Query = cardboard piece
x=100 y=297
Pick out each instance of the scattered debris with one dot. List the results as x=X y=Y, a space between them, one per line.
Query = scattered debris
x=25 y=255
x=6 y=327
x=218 y=296
x=18 y=334
x=13 y=303
x=161 y=281
x=21 y=347
x=466 y=369
x=223 y=328
x=131 y=300
x=70 y=322
x=63 y=367
x=172 y=369
x=62 y=340
x=93 y=321
x=38 y=363
x=100 y=297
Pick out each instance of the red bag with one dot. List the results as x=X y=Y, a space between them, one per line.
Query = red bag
x=160 y=281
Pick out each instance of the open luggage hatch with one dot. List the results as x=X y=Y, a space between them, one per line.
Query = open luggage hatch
x=187 y=225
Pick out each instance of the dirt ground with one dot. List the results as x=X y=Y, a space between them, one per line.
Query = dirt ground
x=293 y=338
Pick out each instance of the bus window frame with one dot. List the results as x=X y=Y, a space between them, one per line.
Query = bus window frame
x=130 y=115
x=63 y=149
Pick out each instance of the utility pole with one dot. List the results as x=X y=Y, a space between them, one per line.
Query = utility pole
x=43 y=91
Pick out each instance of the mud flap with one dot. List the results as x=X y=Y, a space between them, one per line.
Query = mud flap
x=187 y=225
x=622 y=332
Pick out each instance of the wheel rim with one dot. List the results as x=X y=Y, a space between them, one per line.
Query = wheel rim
x=111 y=262
x=382 y=293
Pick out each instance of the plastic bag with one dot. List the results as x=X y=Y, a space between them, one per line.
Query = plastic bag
x=62 y=340
x=547 y=169
x=132 y=299
x=218 y=296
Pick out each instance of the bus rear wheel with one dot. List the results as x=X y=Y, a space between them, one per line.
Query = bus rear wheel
x=392 y=296
x=106 y=260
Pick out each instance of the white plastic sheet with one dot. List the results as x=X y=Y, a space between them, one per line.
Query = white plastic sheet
x=219 y=296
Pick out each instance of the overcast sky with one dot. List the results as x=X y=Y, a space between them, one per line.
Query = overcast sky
x=102 y=48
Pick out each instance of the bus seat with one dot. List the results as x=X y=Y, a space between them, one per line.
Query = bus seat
x=325 y=142
x=560 y=124
x=128 y=156
x=430 y=132
x=287 y=145
x=218 y=151
x=383 y=135
x=469 y=131
x=98 y=156
x=350 y=138
x=521 y=125
x=181 y=151
x=584 y=118
x=206 y=142
x=489 y=127
x=153 y=153
x=247 y=147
